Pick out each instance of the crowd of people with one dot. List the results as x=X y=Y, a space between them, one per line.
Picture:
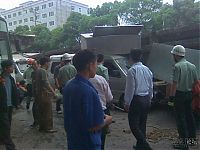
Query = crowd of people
x=83 y=83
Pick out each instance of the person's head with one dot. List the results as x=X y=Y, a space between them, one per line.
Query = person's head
x=178 y=52
x=135 y=55
x=45 y=62
x=62 y=62
x=35 y=65
x=85 y=61
x=22 y=82
x=100 y=58
x=7 y=66
x=66 y=58
x=30 y=61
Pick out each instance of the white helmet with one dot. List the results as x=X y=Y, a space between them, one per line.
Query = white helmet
x=178 y=50
x=67 y=56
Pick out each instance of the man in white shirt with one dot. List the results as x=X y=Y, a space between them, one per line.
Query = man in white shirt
x=138 y=95
x=105 y=95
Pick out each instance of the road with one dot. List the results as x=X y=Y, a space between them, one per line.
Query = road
x=161 y=131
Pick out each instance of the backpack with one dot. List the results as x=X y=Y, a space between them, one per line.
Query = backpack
x=196 y=96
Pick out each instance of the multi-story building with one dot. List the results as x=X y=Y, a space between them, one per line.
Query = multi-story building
x=51 y=13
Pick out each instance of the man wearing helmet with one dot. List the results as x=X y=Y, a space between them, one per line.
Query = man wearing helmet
x=184 y=75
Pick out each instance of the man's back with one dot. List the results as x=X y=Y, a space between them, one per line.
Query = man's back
x=82 y=111
x=66 y=73
x=27 y=75
x=185 y=74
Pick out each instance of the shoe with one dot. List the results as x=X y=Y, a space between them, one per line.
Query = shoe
x=59 y=112
x=34 y=125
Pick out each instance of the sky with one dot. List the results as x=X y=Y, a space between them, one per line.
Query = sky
x=8 y=4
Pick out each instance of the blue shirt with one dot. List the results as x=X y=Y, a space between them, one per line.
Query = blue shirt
x=8 y=90
x=82 y=111
x=138 y=82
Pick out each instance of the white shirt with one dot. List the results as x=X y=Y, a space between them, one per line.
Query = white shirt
x=139 y=81
x=104 y=92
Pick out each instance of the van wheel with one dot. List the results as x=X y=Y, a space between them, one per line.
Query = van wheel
x=121 y=101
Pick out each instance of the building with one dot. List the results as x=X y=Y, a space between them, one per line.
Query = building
x=51 y=13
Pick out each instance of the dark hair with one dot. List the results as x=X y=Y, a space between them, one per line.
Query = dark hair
x=22 y=82
x=136 y=55
x=6 y=63
x=82 y=59
x=44 y=60
x=100 y=58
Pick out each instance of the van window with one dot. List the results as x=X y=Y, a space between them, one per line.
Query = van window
x=113 y=71
x=53 y=65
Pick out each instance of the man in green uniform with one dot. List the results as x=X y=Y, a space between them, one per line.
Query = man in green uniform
x=43 y=96
x=184 y=75
x=102 y=70
x=67 y=72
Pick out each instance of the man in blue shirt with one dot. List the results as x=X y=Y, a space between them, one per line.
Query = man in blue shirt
x=83 y=114
x=138 y=94
x=8 y=100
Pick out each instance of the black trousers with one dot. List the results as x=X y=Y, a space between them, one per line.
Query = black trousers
x=184 y=115
x=137 y=118
x=35 y=113
x=5 y=125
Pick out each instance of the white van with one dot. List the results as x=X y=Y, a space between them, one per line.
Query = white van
x=20 y=65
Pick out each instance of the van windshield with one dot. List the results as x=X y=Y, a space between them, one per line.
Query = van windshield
x=22 y=66
x=123 y=63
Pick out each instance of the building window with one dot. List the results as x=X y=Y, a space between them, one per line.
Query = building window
x=20 y=21
x=26 y=20
x=9 y=16
x=31 y=10
x=5 y=17
x=44 y=6
x=72 y=8
x=44 y=24
x=31 y=19
x=25 y=11
x=44 y=15
x=51 y=23
x=14 y=15
x=51 y=13
x=19 y=13
x=37 y=17
x=79 y=9
x=51 y=4
x=10 y=24
x=15 y=22
x=37 y=8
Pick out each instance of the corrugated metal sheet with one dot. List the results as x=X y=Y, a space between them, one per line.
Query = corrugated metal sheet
x=161 y=62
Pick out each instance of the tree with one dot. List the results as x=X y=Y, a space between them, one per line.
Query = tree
x=187 y=12
x=139 y=11
x=42 y=39
x=22 y=30
x=55 y=41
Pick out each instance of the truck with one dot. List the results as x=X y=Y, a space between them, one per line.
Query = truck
x=5 y=50
x=115 y=43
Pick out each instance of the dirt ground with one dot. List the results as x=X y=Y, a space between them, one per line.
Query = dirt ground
x=161 y=131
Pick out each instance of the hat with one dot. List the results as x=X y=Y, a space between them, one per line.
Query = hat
x=30 y=61
x=66 y=57
x=178 y=50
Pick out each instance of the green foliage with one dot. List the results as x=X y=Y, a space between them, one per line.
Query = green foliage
x=153 y=14
x=22 y=30
x=43 y=36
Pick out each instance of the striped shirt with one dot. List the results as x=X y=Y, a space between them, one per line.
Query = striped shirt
x=138 y=82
